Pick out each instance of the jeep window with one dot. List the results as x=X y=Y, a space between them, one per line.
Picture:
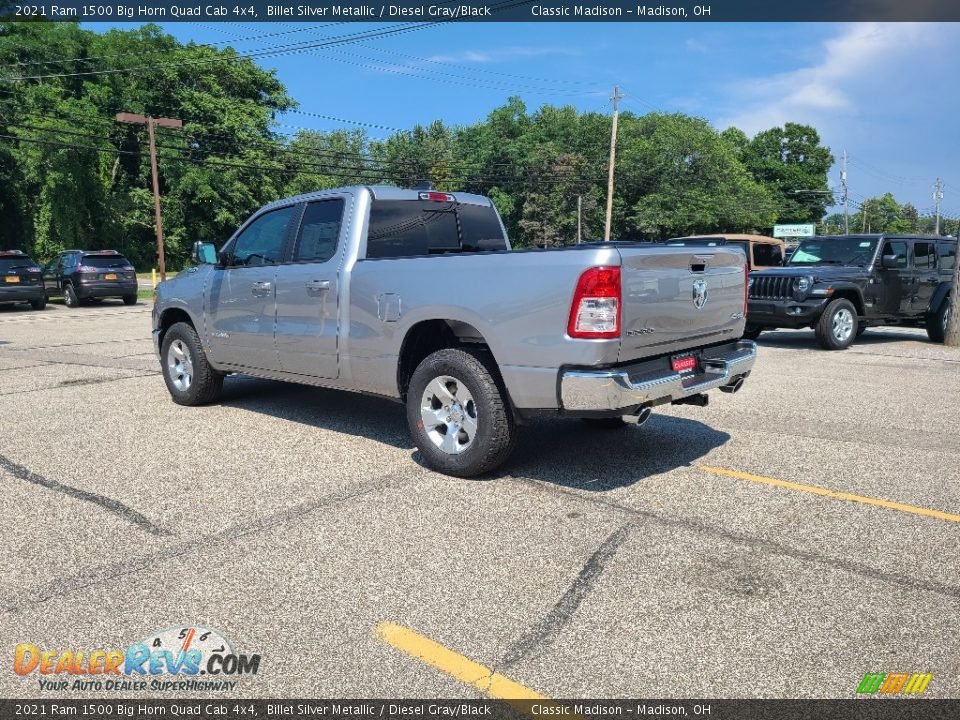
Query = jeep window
x=410 y=228
x=948 y=255
x=898 y=248
x=319 y=231
x=767 y=255
x=834 y=251
x=924 y=257
x=261 y=243
x=102 y=262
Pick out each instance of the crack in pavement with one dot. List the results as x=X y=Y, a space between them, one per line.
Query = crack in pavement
x=103 y=573
x=546 y=631
x=767 y=546
x=114 y=506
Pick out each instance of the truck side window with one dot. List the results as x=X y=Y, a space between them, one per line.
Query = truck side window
x=261 y=243
x=319 y=230
x=923 y=256
x=898 y=248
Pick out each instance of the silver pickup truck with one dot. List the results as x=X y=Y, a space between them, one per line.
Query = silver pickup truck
x=416 y=296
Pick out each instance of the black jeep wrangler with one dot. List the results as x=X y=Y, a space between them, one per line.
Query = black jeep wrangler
x=842 y=284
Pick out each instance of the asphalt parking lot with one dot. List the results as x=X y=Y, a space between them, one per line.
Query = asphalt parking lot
x=691 y=557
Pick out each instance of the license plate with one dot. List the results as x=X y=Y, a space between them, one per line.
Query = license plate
x=110 y=276
x=684 y=363
x=13 y=278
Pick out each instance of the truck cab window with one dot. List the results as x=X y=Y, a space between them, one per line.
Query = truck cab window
x=261 y=243
x=319 y=230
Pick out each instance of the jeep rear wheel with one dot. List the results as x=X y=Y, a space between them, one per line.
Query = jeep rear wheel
x=937 y=322
x=837 y=326
x=458 y=414
x=752 y=332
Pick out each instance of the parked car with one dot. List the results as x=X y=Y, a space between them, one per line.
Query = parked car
x=21 y=280
x=761 y=251
x=415 y=296
x=82 y=275
x=840 y=285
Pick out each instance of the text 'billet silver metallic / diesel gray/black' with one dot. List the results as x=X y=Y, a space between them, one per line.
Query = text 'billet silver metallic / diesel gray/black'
x=416 y=295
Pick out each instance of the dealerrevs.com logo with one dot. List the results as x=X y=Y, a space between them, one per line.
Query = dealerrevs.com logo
x=181 y=658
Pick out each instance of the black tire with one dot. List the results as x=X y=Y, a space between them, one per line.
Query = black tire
x=837 y=327
x=607 y=423
x=752 y=332
x=472 y=380
x=39 y=304
x=204 y=384
x=861 y=330
x=937 y=322
x=70 y=298
x=129 y=299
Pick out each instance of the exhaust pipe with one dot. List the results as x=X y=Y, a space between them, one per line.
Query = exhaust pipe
x=734 y=386
x=640 y=417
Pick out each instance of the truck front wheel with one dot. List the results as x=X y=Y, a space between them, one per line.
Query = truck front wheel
x=188 y=374
x=837 y=326
x=458 y=414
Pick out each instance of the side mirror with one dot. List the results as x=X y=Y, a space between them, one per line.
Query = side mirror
x=204 y=253
x=890 y=261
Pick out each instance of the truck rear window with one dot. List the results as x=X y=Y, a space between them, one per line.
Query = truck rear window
x=405 y=228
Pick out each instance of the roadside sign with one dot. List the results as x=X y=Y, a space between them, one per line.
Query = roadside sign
x=788 y=231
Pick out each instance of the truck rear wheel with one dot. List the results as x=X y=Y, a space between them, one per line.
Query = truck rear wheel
x=458 y=414
x=837 y=326
x=188 y=374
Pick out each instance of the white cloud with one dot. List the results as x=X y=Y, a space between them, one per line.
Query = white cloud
x=827 y=90
x=694 y=45
x=499 y=54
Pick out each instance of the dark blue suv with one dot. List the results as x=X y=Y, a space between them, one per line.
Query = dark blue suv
x=81 y=275
x=20 y=280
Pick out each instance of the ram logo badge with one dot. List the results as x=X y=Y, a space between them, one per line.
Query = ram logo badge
x=699 y=293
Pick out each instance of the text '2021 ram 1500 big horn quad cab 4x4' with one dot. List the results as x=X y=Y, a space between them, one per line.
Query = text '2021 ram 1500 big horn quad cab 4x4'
x=417 y=296
x=841 y=284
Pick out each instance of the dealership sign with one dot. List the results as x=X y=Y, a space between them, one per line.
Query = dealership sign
x=786 y=231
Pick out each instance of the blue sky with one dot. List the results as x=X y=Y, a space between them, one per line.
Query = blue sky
x=884 y=92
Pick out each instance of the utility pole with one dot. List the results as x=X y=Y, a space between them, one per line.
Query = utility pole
x=846 y=210
x=613 y=154
x=151 y=123
x=579 y=221
x=937 y=197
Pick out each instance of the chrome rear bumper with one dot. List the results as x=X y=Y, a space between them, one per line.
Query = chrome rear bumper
x=633 y=385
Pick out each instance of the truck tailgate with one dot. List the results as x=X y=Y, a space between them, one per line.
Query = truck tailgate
x=680 y=298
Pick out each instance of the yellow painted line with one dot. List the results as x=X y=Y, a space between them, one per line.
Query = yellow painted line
x=926 y=512
x=454 y=664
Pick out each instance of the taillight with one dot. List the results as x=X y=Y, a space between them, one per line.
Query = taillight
x=595 y=310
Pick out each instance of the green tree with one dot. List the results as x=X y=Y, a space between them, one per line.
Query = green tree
x=790 y=162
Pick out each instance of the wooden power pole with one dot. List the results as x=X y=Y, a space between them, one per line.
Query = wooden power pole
x=151 y=123
x=613 y=154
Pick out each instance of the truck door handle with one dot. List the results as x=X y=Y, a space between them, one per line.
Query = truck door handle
x=317 y=285
x=260 y=289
